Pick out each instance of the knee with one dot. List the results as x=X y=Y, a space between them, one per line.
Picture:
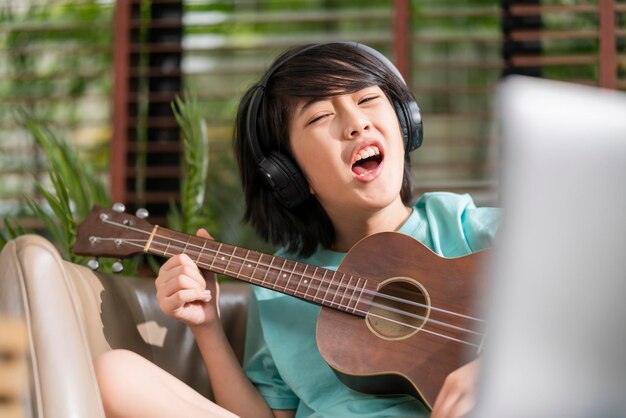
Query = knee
x=113 y=366
x=114 y=369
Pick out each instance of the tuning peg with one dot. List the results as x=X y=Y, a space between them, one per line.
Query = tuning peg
x=119 y=207
x=142 y=213
x=117 y=267
x=93 y=264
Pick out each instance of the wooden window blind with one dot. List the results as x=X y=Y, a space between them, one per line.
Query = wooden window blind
x=451 y=52
x=145 y=152
x=580 y=42
x=455 y=64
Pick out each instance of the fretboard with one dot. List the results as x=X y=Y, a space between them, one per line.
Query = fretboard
x=321 y=286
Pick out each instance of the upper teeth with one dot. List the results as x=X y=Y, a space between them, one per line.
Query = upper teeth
x=367 y=152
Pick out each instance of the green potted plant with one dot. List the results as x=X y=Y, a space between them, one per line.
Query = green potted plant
x=76 y=188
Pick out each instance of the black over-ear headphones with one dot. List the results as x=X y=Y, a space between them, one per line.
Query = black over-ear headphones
x=280 y=171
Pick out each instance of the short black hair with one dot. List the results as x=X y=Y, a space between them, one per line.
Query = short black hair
x=309 y=72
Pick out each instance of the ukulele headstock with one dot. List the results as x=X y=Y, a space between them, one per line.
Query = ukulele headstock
x=109 y=233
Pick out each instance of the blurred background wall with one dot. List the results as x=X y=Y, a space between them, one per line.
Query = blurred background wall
x=102 y=74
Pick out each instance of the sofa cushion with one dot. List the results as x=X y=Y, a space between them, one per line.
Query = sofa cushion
x=73 y=314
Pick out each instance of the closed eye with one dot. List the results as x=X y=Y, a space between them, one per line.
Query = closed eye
x=368 y=99
x=317 y=118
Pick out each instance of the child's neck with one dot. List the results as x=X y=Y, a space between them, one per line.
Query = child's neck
x=355 y=226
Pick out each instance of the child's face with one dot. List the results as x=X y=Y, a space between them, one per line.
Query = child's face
x=350 y=149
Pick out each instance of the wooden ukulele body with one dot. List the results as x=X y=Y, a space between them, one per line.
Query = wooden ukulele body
x=373 y=355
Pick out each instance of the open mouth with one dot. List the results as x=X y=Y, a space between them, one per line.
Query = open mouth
x=367 y=160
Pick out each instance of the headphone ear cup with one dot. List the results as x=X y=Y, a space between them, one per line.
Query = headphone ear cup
x=285 y=178
x=410 y=120
x=403 y=121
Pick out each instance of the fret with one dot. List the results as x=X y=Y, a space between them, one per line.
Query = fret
x=272 y=273
x=186 y=244
x=353 y=296
x=267 y=271
x=215 y=256
x=306 y=292
x=356 y=301
x=344 y=292
x=320 y=285
x=230 y=258
x=362 y=290
x=337 y=290
x=302 y=277
x=256 y=265
x=201 y=252
x=289 y=278
x=328 y=287
x=243 y=262
x=167 y=247
x=281 y=272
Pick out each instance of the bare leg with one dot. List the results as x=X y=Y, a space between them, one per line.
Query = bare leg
x=131 y=386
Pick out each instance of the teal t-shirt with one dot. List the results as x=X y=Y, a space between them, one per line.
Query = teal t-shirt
x=281 y=356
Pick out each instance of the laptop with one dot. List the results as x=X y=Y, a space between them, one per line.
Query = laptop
x=555 y=343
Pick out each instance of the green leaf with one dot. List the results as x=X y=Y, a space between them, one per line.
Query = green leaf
x=174 y=217
x=13 y=230
x=50 y=223
x=75 y=187
x=64 y=226
x=194 y=211
x=83 y=187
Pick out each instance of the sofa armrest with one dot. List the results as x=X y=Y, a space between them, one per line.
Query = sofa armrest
x=73 y=314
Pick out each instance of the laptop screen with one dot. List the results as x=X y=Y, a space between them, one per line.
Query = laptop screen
x=556 y=334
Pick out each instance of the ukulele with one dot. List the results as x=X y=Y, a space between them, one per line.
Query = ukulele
x=395 y=317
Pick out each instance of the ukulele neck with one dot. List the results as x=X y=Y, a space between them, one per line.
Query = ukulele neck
x=314 y=284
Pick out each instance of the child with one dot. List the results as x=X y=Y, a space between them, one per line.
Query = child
x=322 y=144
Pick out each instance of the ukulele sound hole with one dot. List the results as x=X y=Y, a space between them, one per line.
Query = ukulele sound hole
x=400 y=309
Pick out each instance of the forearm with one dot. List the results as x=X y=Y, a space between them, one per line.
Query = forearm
x=230 y=385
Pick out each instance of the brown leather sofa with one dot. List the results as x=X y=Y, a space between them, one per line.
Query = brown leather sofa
x=72 y=314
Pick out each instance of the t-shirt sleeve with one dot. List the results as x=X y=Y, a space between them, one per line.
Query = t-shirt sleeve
x=259 y=365
x=457 y=227
x=480 y=226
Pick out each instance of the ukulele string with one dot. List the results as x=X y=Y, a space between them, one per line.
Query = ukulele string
x=334 y=293
x=337 y=292
x=269 y=266
x=365 y=313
